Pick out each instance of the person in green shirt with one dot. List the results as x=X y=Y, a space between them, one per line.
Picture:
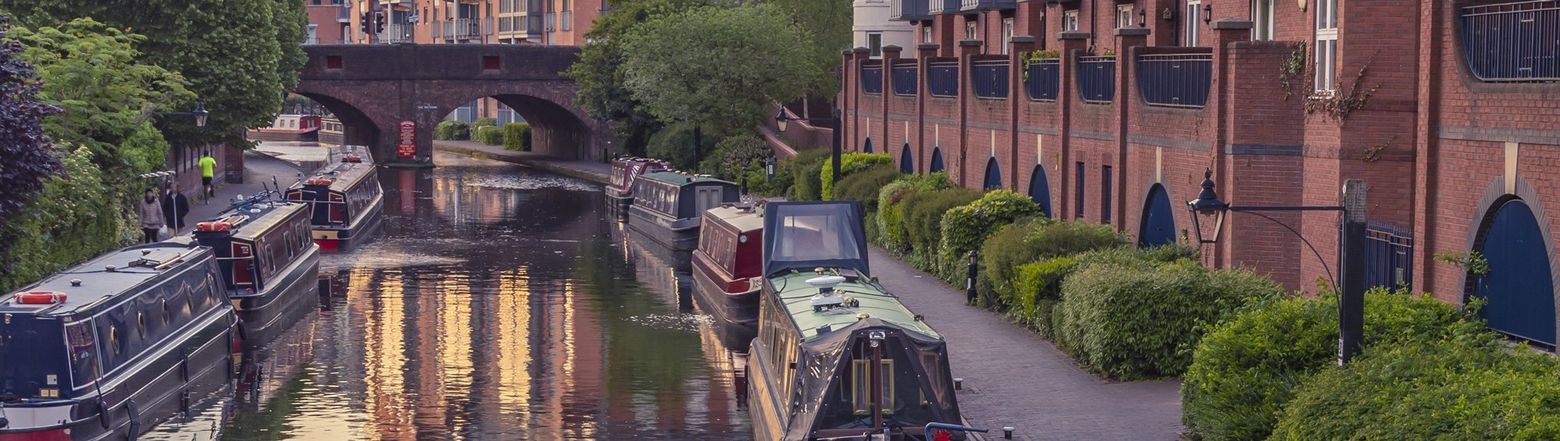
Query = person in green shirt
x=208 y=170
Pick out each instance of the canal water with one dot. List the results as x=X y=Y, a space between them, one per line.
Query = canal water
x=500 y=303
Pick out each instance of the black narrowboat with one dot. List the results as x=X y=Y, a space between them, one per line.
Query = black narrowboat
x=726 y=272
x=667 y=206
x=625 y=174
x=272 y=266
x=113 y=347
x=838 y=356
x=346 y=203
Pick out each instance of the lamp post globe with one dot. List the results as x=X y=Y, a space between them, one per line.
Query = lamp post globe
x=1207 y=208
x=200 y=113
x=781 y=119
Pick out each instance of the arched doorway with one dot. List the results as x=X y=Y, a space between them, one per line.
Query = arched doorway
x=1040 y=189
x=1158 y=226
x=1518 y=286
x=868 y=147
x=906 y=164
x=937 y=163
x=993 y=175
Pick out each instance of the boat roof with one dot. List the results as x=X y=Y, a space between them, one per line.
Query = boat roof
x=873 y=300
x=343 y=175
x=260 y=217
x=743 y=219
x=679 y=178
x=133 y=266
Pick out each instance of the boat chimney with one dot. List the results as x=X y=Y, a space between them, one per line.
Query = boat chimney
x=75 y=282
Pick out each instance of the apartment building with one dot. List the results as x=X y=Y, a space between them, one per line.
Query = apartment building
x=1110 y=111
x=873 y=26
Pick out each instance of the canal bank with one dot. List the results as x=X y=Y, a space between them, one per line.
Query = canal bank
x=591 y=171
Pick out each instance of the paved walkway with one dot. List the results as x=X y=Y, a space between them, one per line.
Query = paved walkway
x=1013 y=377
x=588 y=170
x=258 y=168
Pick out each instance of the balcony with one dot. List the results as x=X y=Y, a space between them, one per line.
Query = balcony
x=461 y=29
x=939 y=7
x=989 y=78
x=872 y=78
x=1513 y=42
x=1175 y=80
x=903 y=77
x=907 y=10
x=986 y=5
x=513 y=24
x=1097 y=79
x=942 y=78
x=396 y=33
x=344 y=14
x=1044 y=78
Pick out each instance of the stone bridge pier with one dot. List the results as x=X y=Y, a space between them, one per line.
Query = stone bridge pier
x=390 y=97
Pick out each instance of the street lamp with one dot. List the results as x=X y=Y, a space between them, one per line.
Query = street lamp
x=199 y=112
x=834 y=141
x=1208 y=211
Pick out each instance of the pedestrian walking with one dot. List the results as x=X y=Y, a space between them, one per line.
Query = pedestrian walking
x=152 y=218
x=175 y=207
x=208 y=170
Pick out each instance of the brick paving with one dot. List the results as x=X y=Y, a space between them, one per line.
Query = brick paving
x=258 y=168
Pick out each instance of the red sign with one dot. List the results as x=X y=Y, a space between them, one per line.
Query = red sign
x=408 y=146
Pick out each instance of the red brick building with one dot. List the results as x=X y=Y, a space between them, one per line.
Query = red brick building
x=1109 y=111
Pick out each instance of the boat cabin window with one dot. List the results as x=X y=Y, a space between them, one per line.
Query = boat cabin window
x=32 y=362
x=720 y=244
x=905 y=402
x=861 y=385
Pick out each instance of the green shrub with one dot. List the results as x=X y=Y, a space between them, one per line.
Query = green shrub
x=785 y=173
x=1029 y=241
x=674 y=144
x=806 y=184
x=490 y=135
x=1246 y=368
x=850 y=163
x=1130 y=321
x=891 y=213
x=517 y=136
x=965 y=228
x=923 y=214
x=483 y=122
x=452 y=130
x=1040 y=320
x=1037 y=281
x=77 y=215
x=1471 y=387
x=864 y=185
x=735 y=156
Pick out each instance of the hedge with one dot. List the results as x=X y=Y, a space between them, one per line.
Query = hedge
x=1246 y=368
x=1038 y=287
x=1142 y=320
x=966 y=227
x=1031 y=241
x=850 y=163
x=517 y=136
x=891 y=213
x=1471 y=387
x=923 y=221
x=489 y=135
x=785 y=174
x=452 y=130
x=864 y=186
x=483 y=122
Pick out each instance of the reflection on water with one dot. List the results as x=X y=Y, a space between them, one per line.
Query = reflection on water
x=486 y=311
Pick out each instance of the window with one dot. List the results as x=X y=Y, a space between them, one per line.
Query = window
x=861 y=385
x=1192 y=19
x=1007 y=35
x=926 y=34
x=1262 y=19
x=1078 y=194
x=1105 y=194
x=1326 y=46
x=970 y=32
x=1070 y=20
x=1124 y=16
x=313 y=36
x=875 y=43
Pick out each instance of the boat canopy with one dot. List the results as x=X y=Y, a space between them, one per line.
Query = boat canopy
x=918 y=388
x=807 y=235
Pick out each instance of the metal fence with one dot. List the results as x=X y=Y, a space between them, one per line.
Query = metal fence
x=903 y=77
x=1389 y=252
x=942 y=78
x=1176 y=80
x=1044 y=78
x=1517 y=41
x=872 y=78
x=1097 y=78
x=989 y=79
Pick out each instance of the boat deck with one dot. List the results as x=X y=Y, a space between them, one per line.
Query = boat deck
x=132 y=266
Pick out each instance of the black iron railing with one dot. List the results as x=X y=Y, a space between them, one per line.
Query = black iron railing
x=942 y=78
x=1044 y=78
x=1175 y=80
x=872 y=78
x=904 y=79
x=989 y=79
x=1097 y=78
x=1389 y=252
x=1517 y=41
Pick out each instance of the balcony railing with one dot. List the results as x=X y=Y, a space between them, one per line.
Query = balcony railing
x=396 y=33
x=972 y=5
x=942 y=78
x=512 y=24
x=872 y=78
x=1513 y=41
x=1097 y=79
x=1175 y=80
x=907 y=10
x=939 y=7
x=903 y=77
x=989 y=79
x=1045 y=77
x=466 y=29
x=344 y=14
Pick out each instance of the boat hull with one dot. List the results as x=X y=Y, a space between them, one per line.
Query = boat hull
x=332 y=239
x=735 y=314
x=676 y=234
x=262 y=317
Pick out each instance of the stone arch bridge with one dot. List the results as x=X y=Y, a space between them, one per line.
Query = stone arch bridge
x=390 y=97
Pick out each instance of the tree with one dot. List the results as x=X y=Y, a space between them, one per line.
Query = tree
x=828 y=22
x=28 y=158
x=717 y=68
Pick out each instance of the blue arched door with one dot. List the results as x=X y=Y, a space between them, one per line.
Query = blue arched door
x=906 y=164
x=937 y=164
x=1158 y=227
x=868 y=147
x=1518 y=286
x=993 y=175
x=1040 y=190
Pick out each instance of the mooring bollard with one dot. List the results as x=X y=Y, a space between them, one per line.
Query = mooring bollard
x=969 y=281
x=1007 y=432
x=958 y=384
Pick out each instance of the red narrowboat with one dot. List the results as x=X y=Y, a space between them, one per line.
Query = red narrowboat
x=726 y=272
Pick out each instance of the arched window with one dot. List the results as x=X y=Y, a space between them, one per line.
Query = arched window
x=1040 y=189
x=937 y=162
x=1517 y=286
x=993 y=175
x=1158 y=224
x=867 y=148
x=906 y=164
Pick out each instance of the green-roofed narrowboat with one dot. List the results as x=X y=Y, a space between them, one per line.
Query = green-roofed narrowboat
x=667 y=206
x=837 y=356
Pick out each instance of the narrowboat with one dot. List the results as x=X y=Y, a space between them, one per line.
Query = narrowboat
x=838 y=356
x=346 y=202
x=726 y=270
x=113 y=347
x=291 y=127
x=625 y=173
x=667 y=206
x=272 y=267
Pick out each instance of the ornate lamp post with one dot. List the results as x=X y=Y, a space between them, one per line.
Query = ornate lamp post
x=199 y=112
x=1208 y=213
